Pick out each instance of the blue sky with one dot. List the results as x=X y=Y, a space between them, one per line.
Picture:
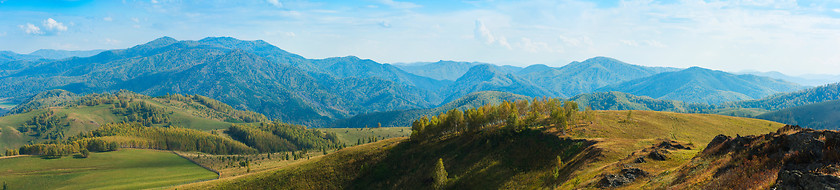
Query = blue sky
x=794 y=37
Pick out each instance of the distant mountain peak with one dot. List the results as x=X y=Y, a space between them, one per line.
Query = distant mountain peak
x=602 y=59
x=160 y=42
x=163 y=40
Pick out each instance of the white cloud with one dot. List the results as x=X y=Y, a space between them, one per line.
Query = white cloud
x=632 y=43
x=535 y=46
x=48 y=27
x=503 y=41
x=483 y=34
x=112 y=41
x=836 y=10
x=654 y=43
x=154 y=1
x=399 y=4
x=276 y=3
x=135 y=19
x=385 y=24
x=53 y=25
x=30 y=28
x=108 y=19
x=290 y=34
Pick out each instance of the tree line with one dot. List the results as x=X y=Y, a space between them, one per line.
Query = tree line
x=277 y=136
x=514 y=116
x=112 y=136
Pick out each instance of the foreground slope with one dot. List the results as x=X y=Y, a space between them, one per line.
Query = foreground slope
x=790 y=158
x=494 y=157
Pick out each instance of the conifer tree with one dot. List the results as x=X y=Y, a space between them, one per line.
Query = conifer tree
x=440 y=176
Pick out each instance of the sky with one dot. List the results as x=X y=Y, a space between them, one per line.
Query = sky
x=790 y=36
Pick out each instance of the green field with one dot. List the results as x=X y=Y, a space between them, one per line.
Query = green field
x=352 y=135
x=124 y=169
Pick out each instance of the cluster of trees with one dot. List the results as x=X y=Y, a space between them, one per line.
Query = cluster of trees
x=300 y=136
x=47 y=125
x=514 y=116
x=112 y=136
x=263 y=141
x=11 y=152
x=57 y=149
x=276 y=137
x=139 y=111
x=52 y=150
x=136 y=135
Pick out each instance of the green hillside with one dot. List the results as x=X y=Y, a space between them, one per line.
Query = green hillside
x=58 y=115
x=534 y=153
x=824 y=115
x=624 y=101
x=124 y=169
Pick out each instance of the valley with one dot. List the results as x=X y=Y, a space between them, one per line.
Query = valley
x=224 y=113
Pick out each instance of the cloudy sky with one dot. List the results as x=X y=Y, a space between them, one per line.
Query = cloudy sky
x=794 y=37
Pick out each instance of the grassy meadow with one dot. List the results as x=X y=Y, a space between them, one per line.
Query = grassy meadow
x=123 y=169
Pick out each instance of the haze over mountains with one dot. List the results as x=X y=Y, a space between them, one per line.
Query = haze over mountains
x=257 y=76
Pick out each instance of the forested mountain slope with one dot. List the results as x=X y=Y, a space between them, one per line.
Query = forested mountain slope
x=448 y=70
x=488 y=78
x=584 y=77
x=251 y=75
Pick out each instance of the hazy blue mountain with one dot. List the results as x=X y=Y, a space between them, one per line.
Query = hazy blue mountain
x=699 y=85
x=249 y=75
x=7 y=56
x=403 y=118
x=584 y=77
x=823 y=115
x=448 y=70
x=270 y=53
x=61 y=54
x=488 y=78
x=808 y=79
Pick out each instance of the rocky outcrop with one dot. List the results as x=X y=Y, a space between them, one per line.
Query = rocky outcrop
x=790 y=158
x=627 y=175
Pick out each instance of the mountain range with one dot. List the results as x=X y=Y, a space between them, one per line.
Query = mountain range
x=260 y=77
x=702 y=85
